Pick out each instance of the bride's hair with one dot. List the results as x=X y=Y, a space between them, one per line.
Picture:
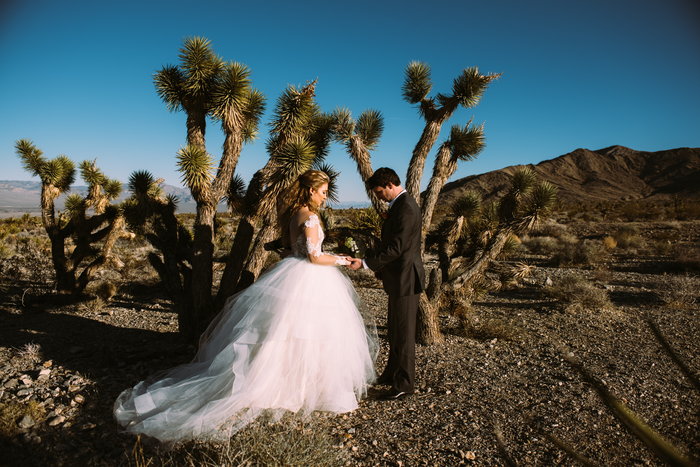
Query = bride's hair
x=296 y=197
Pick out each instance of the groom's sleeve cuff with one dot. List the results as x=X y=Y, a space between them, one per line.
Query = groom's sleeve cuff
x=364 y=265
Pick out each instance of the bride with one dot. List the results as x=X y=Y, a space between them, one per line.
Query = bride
x=294 y=341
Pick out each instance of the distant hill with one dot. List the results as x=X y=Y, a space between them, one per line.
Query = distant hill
x=23 y=196
x=616 y=173
x=18 y=197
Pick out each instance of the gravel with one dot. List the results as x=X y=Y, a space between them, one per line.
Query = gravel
x=481 y=401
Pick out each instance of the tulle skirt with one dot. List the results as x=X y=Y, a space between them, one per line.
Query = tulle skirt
x=294 y=341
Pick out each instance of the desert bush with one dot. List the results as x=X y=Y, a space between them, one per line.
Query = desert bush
x=679 y=291
x=540 y=245
x=550 y=228
x=93 y=306
x=585 y=253
x=487 y=329
x=686 y=258
x=26 y=356
x=628 y=237
x=576 y=293
x=609 y=243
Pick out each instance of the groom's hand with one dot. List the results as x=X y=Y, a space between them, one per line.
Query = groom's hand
x=355 y=264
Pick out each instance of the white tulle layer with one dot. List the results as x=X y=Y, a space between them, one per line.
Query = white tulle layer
x=293 y=341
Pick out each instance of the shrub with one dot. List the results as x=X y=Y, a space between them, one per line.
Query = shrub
x=679 y=291
x=585 y=253
x=576 y=294
x=550 y=229
x=609 y=243
x=540 y=245
x=686 y=257
x=628 y=237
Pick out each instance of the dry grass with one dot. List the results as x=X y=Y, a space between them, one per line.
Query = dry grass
x=93 y=306
x=287 y=442
x=679 y=291
x=628 y=237
x=585 y=253
x=13 y=411
x=576 y=294
x=540 y=245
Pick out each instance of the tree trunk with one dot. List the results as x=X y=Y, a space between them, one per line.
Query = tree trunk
x=428 y=322
x=202 y=258
x=258 y=255
x=359 y=153
x=116 y=229
x=233 y=145
x=444 y=167
x=236 y=258
x=420 y=153
x=477 y=268
x=196 y=127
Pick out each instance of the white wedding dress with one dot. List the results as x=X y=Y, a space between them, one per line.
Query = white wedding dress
x=294 y=341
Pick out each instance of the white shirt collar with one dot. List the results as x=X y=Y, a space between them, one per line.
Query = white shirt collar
x=391 y=203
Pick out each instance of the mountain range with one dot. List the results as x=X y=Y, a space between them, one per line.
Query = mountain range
x=615 y=173
x=583 y=176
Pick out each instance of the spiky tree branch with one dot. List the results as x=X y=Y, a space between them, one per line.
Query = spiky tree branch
x=467 y=90
x=359 y=138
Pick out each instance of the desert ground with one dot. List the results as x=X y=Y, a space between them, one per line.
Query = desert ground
x=616 y=295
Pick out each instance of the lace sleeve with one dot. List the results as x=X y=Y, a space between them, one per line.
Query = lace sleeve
x=314 y=241
x=313 y=236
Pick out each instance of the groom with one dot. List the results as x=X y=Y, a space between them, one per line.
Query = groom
x=398 y=264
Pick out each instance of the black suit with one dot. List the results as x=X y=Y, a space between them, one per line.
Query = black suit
x=399 y=264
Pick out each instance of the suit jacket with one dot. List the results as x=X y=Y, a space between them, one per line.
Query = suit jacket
x=398 y=261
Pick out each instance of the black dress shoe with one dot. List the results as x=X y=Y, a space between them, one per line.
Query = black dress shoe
x=393 y=395
x=383 y=381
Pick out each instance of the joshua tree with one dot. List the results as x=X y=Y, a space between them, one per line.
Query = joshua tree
x=467 y=90
x=206 y=85
x=359 y=138
x=474 y=235
x=105 y=226
x=299 y=139
x=151 y=214
x=464 y=144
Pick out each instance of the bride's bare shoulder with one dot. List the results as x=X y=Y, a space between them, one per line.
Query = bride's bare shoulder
x=303 y=215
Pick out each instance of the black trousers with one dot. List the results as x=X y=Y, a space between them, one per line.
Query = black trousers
x=401 y=365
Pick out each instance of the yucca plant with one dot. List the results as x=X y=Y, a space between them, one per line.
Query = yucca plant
x=467 y=90
x=150 y=213
x=475 y=233
x=205 y=85
x=360 y=137
x=77 y=267
x=299 y=138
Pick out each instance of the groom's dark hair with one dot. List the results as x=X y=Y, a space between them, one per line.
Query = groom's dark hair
x=382 y=177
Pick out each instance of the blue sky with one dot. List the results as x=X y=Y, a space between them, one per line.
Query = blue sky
x=77 y=77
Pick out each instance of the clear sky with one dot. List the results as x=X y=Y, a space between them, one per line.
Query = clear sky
x=77 y=76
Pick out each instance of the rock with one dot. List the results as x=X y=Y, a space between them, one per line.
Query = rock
x=26 y=422
x=548 y=282
x=57 y=420
x=12 y=383
x=73 y=388
x=47 y=364
x=79 y=398
x=23 y=392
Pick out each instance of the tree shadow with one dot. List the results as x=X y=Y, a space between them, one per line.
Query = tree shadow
x=111 y=357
